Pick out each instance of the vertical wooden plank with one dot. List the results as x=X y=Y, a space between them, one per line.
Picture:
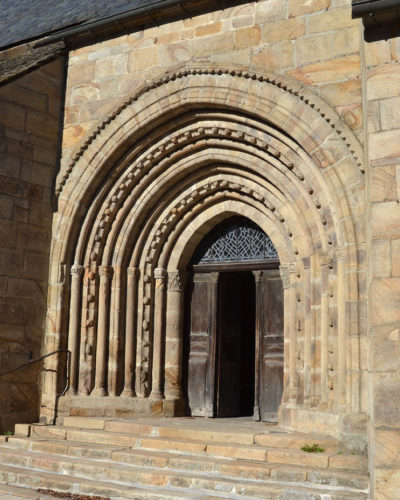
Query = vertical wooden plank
x=202 y=344
x=271 y=372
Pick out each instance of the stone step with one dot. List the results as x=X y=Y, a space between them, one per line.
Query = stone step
x=188 y=464
x=245 y=452
x=8 y=492
x=87 y=477
x=288 y=456
x=266 y=435
x=33 y=479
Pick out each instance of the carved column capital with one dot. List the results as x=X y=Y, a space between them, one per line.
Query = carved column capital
x=106 y=271
x=285 y=276
x=76 y=269
x=159 y=273
x=176 y=280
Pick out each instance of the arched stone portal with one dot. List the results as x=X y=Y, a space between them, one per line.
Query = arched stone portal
x=179 y=155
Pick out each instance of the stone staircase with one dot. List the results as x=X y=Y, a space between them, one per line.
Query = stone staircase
x=179 y=458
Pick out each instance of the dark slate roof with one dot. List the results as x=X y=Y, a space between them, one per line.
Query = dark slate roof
x=23 y=20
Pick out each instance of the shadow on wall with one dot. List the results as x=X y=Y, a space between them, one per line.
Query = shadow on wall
x=30 y=118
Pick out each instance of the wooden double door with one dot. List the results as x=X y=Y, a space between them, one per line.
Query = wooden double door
x=234 y=347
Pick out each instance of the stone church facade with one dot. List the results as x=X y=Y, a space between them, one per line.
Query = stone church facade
x=281 y=113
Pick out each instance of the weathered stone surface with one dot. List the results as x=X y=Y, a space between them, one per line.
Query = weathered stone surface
x=320 y=192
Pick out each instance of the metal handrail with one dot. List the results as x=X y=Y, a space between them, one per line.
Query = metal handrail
x=31 y=362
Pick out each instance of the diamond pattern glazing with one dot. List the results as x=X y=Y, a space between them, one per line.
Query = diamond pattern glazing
x=237 y=239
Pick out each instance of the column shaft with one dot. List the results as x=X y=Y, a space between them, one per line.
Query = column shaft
x=308 y=324
x=341 y=331
x=101 y=347
x=324 y=328
x=174 y=335
x=159 y=321
x=73 y=331
x=130 y=344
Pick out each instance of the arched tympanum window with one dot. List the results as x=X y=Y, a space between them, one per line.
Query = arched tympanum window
x=236 y=239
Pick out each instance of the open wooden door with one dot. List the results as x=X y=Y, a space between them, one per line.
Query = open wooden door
x=202 y=344
x=269 y=345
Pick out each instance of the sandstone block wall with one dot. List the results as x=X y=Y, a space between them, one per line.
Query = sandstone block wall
x=30 y=124
x=382 y=92
x=315 y=42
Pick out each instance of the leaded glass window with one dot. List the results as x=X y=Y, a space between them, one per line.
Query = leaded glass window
x=236 y=239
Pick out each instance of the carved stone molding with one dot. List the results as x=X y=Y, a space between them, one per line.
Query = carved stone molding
x=287 y=85
x=204 y=190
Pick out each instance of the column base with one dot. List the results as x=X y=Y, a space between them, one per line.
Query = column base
x=120 y=407
x=174 y=407
x=99 y=392
x=156 y=396
x=128 y=393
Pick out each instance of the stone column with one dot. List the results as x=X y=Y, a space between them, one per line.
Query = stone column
x=100 y=389
x=73 y=331
x=130 y=344
x=323 y=260
x=160 y=275
x=174 y=335
x=340 y=254
x=114 y=340
x=308 y=331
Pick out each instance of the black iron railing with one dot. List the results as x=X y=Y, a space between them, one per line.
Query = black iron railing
x=32 y=361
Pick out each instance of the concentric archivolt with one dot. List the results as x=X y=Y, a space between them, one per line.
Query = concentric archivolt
x=288 y=85
x=173 y=160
